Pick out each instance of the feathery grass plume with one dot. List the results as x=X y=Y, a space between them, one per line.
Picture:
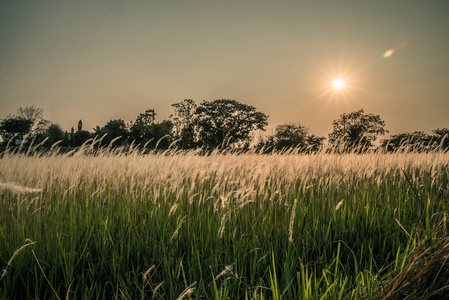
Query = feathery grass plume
x=187 y=292
x=339 y=204
x=222 y=225
x=16 y=188
x=156 y=288
x=4 y=271
x=180 y=222
x=173 y=209
x=227 y=269
x=146 y=188
x=146 y=276
x=292 y=221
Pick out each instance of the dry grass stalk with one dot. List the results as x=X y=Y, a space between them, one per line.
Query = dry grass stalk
x=188 y=291
x=12 y=257
x=426 y=275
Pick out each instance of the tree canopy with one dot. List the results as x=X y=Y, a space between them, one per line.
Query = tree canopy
x=226 y=123
x=36 y=116
x=186 y=133
x=27 y=122
x=14 y=127
x=288 y=136
x=144 y=131
x=418 y=141
x=220 y=124
x=115 y=132
x=356 y=129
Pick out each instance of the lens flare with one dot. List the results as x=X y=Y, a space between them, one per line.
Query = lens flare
x=388 y=53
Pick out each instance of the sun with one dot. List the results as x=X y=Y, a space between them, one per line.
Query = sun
x=338 y=84
x=338 y=81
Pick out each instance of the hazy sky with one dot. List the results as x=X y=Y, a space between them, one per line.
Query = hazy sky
x=101 y=60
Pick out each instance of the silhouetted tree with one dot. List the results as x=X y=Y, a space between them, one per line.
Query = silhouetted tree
x=290 y=136
x=314 y=143
x=36 y=115
x=141 y=131
x=417 y=141
x=162 y=134
x=67 y=139
x=265 y=144
x=26 y=123
x=114 y=129
x=356 y=129
x=441 y=136
x=53 y=134
x=13 y=126
x=145 y=131
x=80 y=125
x=184 y=124
x=80 y=137
x=223 y=123
x=72 y=135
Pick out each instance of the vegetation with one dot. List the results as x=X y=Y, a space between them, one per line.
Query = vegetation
x=109 y=224
x=220 y=124
x=418 y=141
x=356 y=129
x=291 y=136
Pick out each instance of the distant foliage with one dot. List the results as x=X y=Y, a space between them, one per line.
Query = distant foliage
x=418 y=141
x=54 y=134
x=80 y=137
x=144 y=131
x=26 y=123
x=185 y=129
x=291 y=136
x=36 y=116
x=222 y=124
x=356 y=130
x=227 y=123
x=114 y=133
x=13 y=126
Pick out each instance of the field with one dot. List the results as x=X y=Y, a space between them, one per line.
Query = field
x=237 y=226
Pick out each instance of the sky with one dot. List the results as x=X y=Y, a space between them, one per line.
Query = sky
x=110 y=59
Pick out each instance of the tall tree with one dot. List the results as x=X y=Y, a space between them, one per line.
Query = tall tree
x=36 y=115
x=146 y=131
x=27 y=122
x=12 y=126
x=80 y=137
x=114 y=129
x=356 y=129
x=80 y=125
x=290 y=136
x=184 y=123
x=162 y=134
x=53 y=134
x=224 y=122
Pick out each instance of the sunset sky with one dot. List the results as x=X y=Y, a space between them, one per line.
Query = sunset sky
x=102 y=60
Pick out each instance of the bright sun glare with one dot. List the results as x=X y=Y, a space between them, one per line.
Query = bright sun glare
x=338 y=84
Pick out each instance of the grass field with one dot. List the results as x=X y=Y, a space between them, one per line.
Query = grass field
x=180 y=225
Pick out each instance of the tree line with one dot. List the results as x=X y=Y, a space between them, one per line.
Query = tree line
x=219 y=124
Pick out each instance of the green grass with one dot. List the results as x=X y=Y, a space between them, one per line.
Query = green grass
x=249 y=226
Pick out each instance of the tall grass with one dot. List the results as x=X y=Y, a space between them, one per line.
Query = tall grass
x=239 y=226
